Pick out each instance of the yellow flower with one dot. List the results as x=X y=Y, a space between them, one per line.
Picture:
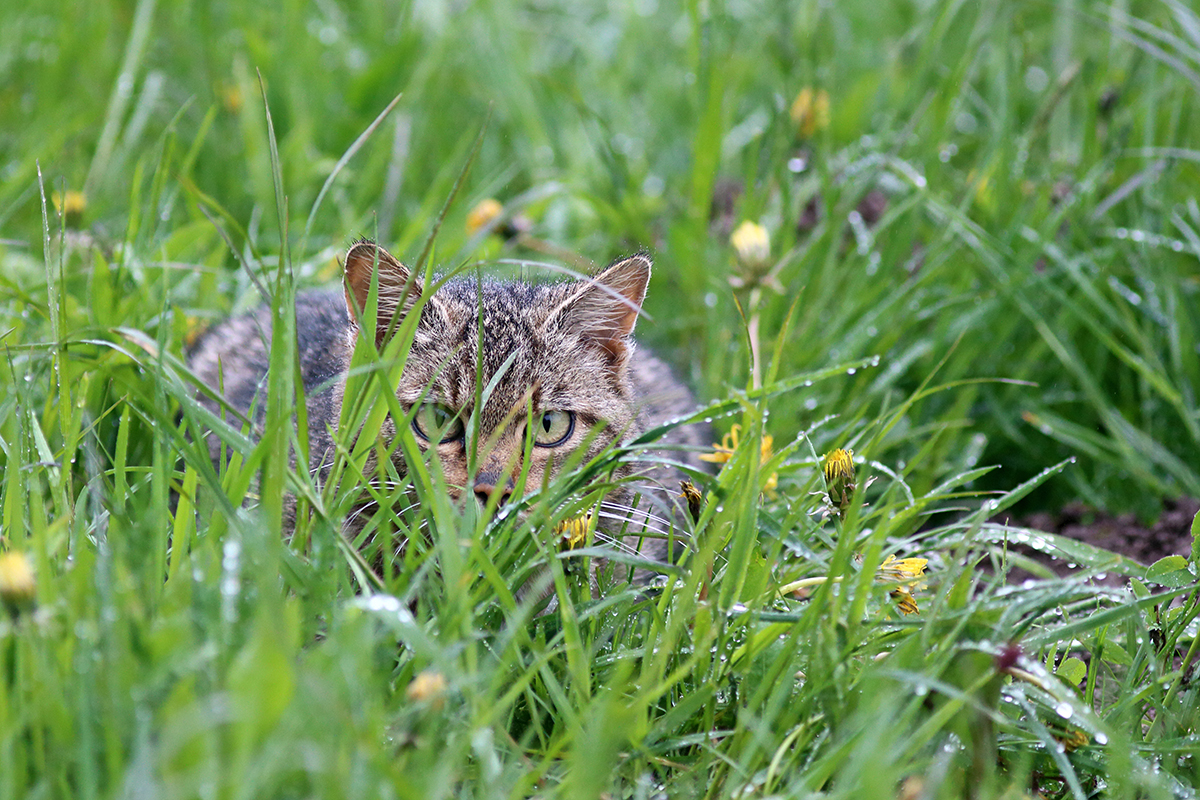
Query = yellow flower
x=838 y=467
x=1073 y=739
x=810 y=111
x=907 y=571
x=904 y=569
x=484 y=213
x=18 y=588
x=729 y=443
x=752 y=244
x=574 y=531
x=70 y=204
x=231 y=97
x=428 y=686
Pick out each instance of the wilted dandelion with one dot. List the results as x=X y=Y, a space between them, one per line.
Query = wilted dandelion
x=905 y=600
x=729 y=443
x=695 y=500
x=752 y=244
x=429 y=686
x=907 y=572
x=18 y=587
x=810 y=111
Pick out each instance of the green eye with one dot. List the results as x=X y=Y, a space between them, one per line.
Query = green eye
x=553 y=428
x=435 y=422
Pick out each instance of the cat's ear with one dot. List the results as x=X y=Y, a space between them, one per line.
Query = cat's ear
x=604 y=309
x=398 y=288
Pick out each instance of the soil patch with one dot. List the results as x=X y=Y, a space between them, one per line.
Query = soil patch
x=1170 y=535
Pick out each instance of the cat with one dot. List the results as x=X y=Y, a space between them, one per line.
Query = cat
x=561 y=357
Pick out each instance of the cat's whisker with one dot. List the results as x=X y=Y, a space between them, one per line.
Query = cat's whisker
x=617 y=544
x=639 y=527
x=638 y=514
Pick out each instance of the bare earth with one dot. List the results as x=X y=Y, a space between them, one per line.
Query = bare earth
x=1169 y=535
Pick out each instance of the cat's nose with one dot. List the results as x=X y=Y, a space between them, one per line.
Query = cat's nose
x=486 y=488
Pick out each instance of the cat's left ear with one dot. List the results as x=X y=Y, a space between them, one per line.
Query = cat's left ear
x=604 y=309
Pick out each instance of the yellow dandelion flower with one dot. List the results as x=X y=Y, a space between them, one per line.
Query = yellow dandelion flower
x=573 y=532
x=810 y=111
x=428 y=686
x=902 y=569
x=18 y=587
x=1073 y=739
x=231 y=97
x=71 y=204
x=729 y=443
x=484 y=213
x=752 y=244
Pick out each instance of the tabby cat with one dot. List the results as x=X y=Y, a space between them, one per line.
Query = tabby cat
x=560 y=354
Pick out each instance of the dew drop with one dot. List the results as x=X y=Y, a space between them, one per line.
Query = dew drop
x=1063 y=709
x=851 y=371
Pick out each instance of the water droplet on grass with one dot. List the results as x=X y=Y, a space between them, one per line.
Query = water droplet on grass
x=1063 y=709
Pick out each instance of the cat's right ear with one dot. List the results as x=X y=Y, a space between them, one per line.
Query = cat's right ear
x=398 y=287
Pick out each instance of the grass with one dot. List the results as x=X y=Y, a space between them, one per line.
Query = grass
x=1016 y=326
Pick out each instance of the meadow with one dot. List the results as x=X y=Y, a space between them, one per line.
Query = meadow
x=961 y=240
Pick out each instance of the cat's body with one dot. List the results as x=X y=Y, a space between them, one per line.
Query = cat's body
x=559 y=356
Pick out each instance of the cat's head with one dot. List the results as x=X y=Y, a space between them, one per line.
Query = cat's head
x=550 y=359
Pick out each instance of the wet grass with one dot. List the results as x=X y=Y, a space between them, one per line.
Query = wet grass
x=981 y=276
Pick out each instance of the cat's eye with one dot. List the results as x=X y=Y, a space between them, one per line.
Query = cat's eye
x=435 y=422
x=553 y=428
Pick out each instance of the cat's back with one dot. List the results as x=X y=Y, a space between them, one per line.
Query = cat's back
x=233 y=356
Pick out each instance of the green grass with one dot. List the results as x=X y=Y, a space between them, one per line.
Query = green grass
x=1018 y=328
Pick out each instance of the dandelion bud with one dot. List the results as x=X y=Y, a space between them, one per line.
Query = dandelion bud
x=810 y=111
x=428 y=686
x=483 y=214
x=17 y=585
x=752 y=244
x=838 y=467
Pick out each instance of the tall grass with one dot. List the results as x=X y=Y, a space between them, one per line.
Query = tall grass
x=1015 y=326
